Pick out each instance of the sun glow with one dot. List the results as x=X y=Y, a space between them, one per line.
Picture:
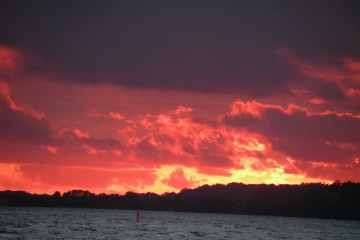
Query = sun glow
x=193 y=178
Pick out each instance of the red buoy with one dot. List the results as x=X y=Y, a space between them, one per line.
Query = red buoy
x=137 y=217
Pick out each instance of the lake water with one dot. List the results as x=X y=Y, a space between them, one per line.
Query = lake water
x=67 y=223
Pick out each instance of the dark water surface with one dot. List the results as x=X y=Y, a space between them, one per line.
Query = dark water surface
x=67 y=223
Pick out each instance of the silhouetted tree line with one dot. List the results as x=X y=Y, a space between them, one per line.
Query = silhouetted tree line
x=338 y=200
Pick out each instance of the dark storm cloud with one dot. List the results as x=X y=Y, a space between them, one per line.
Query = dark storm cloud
x=194 y=45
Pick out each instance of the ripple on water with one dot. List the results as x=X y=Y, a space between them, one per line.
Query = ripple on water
x=60 y=223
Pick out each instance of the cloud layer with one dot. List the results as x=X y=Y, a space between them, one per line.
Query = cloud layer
x=217 y=46
x=158 y=96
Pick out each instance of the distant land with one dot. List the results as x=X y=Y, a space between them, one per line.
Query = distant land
x=316 y=200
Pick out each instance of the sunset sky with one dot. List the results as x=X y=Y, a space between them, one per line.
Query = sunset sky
x=118 y=96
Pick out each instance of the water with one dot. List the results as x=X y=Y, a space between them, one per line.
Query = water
x=67 y=223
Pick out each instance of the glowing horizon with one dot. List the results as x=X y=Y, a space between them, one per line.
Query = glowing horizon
x=159 y=152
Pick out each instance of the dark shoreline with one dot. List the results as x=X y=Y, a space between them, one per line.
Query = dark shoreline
x=314 y=200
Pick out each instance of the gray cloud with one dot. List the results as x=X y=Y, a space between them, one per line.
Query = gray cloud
x=201 y=46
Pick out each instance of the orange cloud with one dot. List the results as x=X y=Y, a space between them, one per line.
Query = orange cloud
x=159 y=138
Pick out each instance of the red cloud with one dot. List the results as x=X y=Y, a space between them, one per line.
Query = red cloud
x=253 y=108
x=111 y=115
x=18 y=124
x=178 y=180
x=10 y=59
x=299 y=133
x=168 y=138
x=16 y=63
x=182 y=109
x=349 y=70
x=318 y=101
x=92 y=145
x=254 y=142
x=116 y=116
x=339 y=171
x=325 y=83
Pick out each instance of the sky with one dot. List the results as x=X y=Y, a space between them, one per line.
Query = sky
x=157 y=96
